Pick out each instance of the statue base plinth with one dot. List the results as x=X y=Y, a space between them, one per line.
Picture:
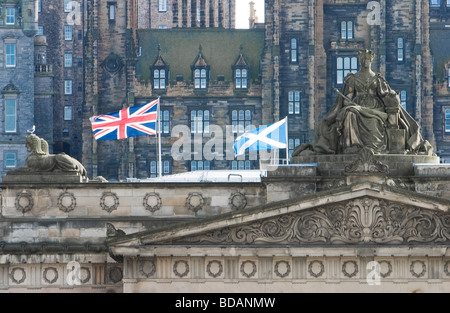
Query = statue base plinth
x=339 y=164
x=43 y=177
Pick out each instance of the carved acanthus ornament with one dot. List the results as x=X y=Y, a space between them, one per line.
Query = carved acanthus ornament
x=361 y=221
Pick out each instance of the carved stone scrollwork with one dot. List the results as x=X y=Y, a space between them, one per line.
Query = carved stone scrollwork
x=152 y=202
x=67 y=202
x=24 y=202
x=214 y=268
x=85 y=274
x=350 y=269
x=109 y=201
x=147 y=268
x=238 y=201
x=50 y=275
x=316 y=268
x=366 y=163
x=18 y=275
x=417 y=268
x=361 y=221
x=194 y=202
x=248 y=268
x=282 y=268
x=181 y=268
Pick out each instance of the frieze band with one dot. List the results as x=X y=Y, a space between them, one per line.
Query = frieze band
x=360 y=221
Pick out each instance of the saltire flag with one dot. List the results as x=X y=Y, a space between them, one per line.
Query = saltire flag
x=130 y=122
x=269 y=137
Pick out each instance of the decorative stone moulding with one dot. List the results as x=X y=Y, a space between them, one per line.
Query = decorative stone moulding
x=388 y=272
x=238 y=201
x=147 y=268
x=67 y=202
x=417 y=268
x=350 y=269
x=18 y=275
x=24 y=202
x=214 y=268
x=181 y=268
x=109 y=201
x=50 y=275
x=194 y=202
x=316 y=268
x=152 y=202
x=282 y=268
x=248 y=268
x=115 y=274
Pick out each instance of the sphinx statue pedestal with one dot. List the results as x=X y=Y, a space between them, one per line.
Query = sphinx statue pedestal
x=57 y=177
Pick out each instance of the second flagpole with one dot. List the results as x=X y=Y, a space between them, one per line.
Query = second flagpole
x=159 y=137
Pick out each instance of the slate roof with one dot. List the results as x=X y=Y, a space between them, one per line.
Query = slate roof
x=219 y=47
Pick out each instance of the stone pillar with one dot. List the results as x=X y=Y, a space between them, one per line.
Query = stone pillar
x=180 y=13
x=189 y=13
x=216 y=13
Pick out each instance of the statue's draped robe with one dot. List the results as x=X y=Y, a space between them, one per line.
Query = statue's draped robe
x=349 y=126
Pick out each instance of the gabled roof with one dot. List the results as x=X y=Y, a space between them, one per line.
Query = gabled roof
x=180 y=47
x=363 y=214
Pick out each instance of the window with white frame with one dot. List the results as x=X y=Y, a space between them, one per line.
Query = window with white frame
x=200 y=77
x=403 y=98
x=10 y=16
x=346 y=30
x=39 y=5
x=154 y=168
x=241 y=120
x=448 y=3
x=241 y=165
x=10 y=160
x=112 y=6
x=68 y=59
x=435 y=3
x=292 y=144
x=40 y=31
x=346 y=65
x=447 y=120
x=68 y=5
x=159 y=79
x=162 y=7
x=241 y=78
x=294 y=98
x=200 y=166
x=10 y=54
x=68 y=87
x=294 y=50
x=10 y=115
x=164 y=122
x=68 y=113
x=68 y=34
x=200 y=121
x=400 y=49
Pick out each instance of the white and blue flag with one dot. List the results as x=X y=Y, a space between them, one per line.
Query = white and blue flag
x=269 y=137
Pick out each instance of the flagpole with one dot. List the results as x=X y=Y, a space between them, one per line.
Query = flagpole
x=287 y=141
x=159 y=137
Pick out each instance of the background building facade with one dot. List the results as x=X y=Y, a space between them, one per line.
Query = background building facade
x=100 y=56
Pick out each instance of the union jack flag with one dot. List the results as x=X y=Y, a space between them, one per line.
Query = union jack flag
x=130 y=122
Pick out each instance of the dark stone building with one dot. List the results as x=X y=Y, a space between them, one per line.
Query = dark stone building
x=102 y=56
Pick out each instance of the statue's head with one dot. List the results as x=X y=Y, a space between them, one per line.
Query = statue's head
x=33 y=144
x=366 y=55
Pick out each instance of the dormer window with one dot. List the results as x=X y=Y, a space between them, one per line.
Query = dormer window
x=200 y=72
x=160 y=72
x=241 y=73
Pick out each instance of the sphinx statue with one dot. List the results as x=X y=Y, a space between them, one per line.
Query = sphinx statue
x=367 y=114
x=40 y=160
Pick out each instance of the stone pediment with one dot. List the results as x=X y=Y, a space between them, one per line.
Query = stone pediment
x=366 y=214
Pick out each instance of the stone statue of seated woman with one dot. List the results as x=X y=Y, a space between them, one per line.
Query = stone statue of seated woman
x=367 y=114
x=40 y=160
